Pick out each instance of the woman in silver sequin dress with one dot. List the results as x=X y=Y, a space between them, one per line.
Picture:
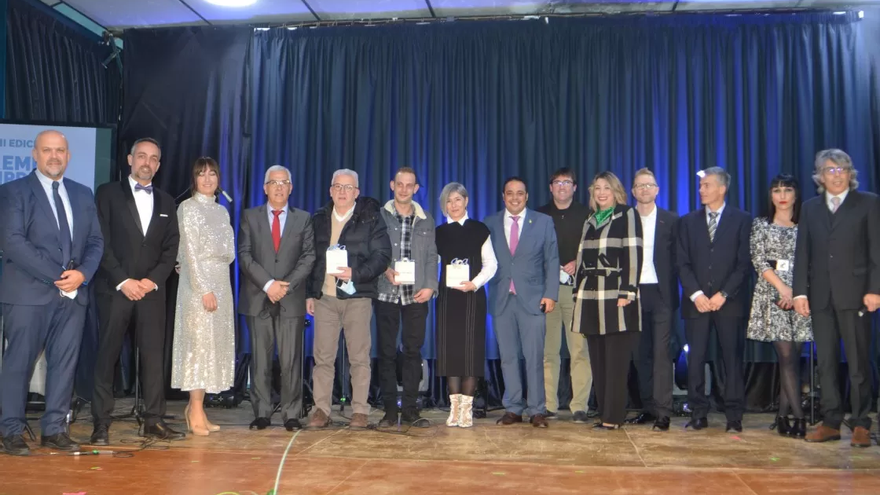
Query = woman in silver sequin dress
x=772 y=317
x=204 y=324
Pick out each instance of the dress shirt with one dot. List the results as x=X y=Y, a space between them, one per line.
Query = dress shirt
x=144 y=202
x=699 y=293
x=828 y=197
x=649 y=229
x=508 y=223
x=282 y=220
x=46 y=182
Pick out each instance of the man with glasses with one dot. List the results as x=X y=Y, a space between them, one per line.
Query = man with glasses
x=276 y=252
x=351 y=234
x=403 y=297
x=837 y=283
x=658 y=290
x=568 y=221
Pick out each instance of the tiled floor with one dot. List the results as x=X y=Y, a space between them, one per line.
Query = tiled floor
x=565 y=458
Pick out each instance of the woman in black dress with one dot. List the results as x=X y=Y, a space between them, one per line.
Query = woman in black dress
x=461 y=310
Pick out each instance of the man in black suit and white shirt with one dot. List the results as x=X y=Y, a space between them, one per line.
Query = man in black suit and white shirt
x=837 y=281
x=658 y=290
x=713 y=261
x=141 y=236
x=276 y=251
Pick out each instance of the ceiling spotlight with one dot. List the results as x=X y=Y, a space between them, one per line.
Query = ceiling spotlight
x=232 y=3
x=861 y=14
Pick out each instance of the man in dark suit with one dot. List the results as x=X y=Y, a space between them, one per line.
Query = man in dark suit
x=52 y=246
x=837 y=282
x=658 y=290
x=139 y=223
x=276 y=251
x=713 y=261
x=524 y=288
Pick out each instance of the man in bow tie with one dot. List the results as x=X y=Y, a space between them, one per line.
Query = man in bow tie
x=141 y=235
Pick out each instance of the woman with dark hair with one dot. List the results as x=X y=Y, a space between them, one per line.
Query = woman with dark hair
x=772 y=319
x=204 y=328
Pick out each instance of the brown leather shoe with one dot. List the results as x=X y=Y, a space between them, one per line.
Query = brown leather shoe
x=358 y=421
x=538 y=421
x=509 y=418
x=823 y=434
x=861 y=438
x=319 y=419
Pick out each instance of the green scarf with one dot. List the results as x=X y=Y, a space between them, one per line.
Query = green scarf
x=603 y=215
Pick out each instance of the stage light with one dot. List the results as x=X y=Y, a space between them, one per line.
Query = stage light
x=861 y=14
x=232 y=3
x=839 y=12
x=685 y=348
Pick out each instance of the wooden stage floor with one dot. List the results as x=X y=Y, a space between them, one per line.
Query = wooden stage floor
x=487 y=459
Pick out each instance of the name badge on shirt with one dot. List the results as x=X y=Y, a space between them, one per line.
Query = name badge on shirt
x=783 y=266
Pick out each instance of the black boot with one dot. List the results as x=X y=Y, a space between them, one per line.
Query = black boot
x=782 y=425
x=799 y=429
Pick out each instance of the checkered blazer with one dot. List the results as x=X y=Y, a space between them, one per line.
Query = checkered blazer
x=609 y=264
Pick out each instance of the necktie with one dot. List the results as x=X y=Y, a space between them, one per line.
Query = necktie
x=835 y=204
x=514 y=241
x=276 y=229
x=146 y=189
x=713 y=224
x=63 y=226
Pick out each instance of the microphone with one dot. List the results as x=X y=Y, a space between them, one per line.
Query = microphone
x=225 y=195
x=863 y=310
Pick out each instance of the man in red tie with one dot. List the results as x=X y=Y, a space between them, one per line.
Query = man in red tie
x=276 y=252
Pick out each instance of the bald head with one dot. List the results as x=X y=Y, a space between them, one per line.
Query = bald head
x=51 y=154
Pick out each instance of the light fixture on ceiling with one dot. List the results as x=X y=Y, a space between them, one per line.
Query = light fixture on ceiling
x=232 y=3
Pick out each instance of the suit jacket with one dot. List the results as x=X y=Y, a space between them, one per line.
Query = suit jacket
x=714 y=266
x=30 y=240
x=665 y=244
x=128 y=252
x=534 y=268
x=260 y=263
x=838 y=255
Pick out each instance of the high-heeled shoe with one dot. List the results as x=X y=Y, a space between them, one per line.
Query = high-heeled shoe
x=799 y=429
x=782 y=426
x=211 y=426
x=199 y=432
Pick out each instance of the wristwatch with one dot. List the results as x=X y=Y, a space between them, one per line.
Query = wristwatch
x=723 y=294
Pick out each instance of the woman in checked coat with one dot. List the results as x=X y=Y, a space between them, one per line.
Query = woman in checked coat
x=607 y=308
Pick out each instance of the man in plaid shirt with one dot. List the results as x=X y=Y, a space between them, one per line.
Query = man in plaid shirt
x=411 y=231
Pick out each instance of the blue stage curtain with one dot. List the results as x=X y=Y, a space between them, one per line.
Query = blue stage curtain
x=476 y=102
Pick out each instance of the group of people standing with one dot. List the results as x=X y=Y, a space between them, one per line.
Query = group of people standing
x=607 y=273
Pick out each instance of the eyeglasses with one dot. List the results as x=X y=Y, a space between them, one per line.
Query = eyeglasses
x=835 y=170
x=641 y=187
x=278 y=183
x=345 y=187
x=561 y=183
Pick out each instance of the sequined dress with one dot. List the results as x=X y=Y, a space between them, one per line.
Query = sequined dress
x=204 y=343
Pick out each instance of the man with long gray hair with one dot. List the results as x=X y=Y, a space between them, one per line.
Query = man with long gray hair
x=276 y=251
x=837 y=282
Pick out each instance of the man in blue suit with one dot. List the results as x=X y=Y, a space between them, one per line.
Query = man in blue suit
x=524 y=288
x=52 y=246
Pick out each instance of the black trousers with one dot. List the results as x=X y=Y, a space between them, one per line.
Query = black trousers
x=652 y=357
x=115 y=313
x=388 y=325
x=287 y=334
x=830 y=326
x=609 y=360
x=731 y=337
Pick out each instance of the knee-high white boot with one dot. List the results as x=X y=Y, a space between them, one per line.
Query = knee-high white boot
x=466 y=414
